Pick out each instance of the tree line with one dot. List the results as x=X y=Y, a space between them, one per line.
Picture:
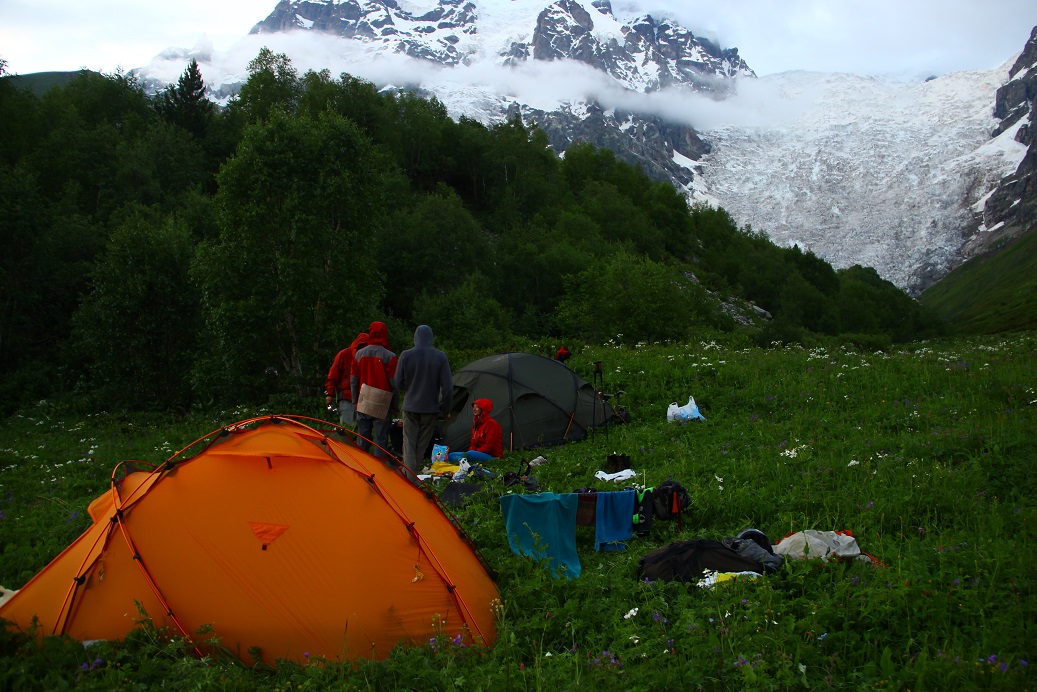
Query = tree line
x=162 y=251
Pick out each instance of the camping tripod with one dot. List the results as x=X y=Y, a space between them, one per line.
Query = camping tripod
x=598 y=382
x=599 y=386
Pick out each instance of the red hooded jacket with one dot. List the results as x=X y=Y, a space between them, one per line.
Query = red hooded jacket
x=374 y=364
x=486 y=432
x=337 y=385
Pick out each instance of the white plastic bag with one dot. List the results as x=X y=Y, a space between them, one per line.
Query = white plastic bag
x=463 y=468
x=671 y=412
x=690 y=411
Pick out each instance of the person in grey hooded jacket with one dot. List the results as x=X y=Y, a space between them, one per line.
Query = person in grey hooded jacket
x=423 y=376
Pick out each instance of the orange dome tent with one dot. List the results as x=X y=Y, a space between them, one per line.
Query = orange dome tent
x=278 y=535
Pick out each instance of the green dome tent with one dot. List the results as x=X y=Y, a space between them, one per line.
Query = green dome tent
x=537 y=401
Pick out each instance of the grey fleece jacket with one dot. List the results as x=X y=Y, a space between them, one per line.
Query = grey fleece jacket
x=423 y=374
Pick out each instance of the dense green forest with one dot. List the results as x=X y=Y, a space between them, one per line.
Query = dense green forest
x=163 y=252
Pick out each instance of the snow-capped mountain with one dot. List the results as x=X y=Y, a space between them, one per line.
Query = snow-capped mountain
x=644 y=54
x=886 y=174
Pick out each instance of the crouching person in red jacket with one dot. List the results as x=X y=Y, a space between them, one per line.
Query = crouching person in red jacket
x=487 y=439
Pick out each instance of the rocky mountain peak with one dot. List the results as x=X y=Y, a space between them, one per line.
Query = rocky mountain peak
x=431 y=35
x=1011 y=208
x=1013 y=99
x=644 y=55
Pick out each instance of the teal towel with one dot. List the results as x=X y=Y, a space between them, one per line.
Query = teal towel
x=614 y=519
x=543 y=526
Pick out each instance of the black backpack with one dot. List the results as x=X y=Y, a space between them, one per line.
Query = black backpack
x=687 y=561
x=669 y=500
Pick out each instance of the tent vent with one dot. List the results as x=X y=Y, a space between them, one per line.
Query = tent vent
x=267 y=533
x=369 y=479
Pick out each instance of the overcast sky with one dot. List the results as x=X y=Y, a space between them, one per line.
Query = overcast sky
x=873 y=37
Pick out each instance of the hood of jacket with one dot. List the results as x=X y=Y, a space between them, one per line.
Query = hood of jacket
x=378 y=335
x=359 y=342
x=485 y=405
x=423 y=336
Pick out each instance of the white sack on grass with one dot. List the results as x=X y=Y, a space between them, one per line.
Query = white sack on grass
x=823 y=545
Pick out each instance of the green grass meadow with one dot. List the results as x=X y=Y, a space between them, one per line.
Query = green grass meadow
x=925 y=453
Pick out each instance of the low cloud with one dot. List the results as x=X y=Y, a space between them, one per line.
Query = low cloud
x=544 y=85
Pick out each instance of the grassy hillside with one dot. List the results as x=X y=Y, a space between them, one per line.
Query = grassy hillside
x=925 y=453
x=40 y=82
x=996 y=292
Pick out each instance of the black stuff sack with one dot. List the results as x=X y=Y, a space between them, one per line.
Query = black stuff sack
x=689 y=561
x=617 y=462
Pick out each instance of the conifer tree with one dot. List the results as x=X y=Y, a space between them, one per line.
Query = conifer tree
x=185 y=104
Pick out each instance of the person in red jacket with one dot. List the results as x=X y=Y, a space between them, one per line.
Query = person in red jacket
x=338 y=387
x=487 y=439
x=374 y=367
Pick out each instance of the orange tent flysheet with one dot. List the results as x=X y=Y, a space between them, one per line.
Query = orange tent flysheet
x=286 y=539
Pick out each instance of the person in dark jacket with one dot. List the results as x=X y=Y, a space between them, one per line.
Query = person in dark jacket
x=374 y=367
x=338 y=386
x=423 y=379
x=487 y=437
